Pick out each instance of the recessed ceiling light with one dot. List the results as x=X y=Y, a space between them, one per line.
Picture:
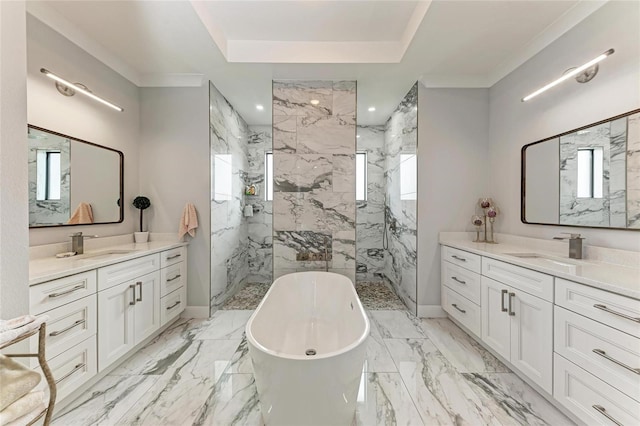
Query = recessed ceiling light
x=357 y=136
x=259 y=107
x=371 y=109
x=314 y=102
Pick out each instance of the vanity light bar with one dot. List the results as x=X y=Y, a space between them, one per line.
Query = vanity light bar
x=79 y=89
x=570 y=74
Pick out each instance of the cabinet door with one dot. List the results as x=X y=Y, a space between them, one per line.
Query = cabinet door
x=147 y=307
x=115 y=323
x=495 y=318
x=532 y=338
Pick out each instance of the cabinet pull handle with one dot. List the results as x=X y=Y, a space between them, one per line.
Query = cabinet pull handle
x=175 y=256
x=458 y=280
x=600 y=409
x=71 y=290
x=173 y=306
x=604 y=355
x=174 y=278
x=133 y=300
x=76 y=368
x=620 y=314
x=456 y=306
x=511 y=312
x=139 y=299
x=64 y=330
x=461 y=259
x=502 y=307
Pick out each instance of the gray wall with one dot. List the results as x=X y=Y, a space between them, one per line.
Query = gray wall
x=174 y=170
x=452 y=173
x=14 y=207
x=81 y=117
x=615 y=90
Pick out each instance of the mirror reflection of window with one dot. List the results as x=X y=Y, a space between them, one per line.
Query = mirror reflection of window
x=408 y=177
x=268 y=173
x=590 y=172
x=48 y=175
x=361 y=176
x=223 y=176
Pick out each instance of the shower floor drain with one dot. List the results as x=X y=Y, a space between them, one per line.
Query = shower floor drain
x=310 y=352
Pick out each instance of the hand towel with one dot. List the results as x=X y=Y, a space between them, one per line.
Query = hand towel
x=16 y=322
x=82 y=214
x=31 y=402
x=188 y=221
x=27 y=418
x=8 y=335
x=17 y=380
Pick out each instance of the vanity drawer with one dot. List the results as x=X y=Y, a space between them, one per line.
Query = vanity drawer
x=125 y=271
x=73 y=368
x=172 y=278
x=461 y=280
x=584 y=395
x=467 y=313
x=532 y=282
x=462 y=258
x=576 y=338
x=52 y=294
x=620 y=312
x=172 y=305
x=172 y=256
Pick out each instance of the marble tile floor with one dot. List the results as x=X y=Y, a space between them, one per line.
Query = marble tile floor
x=417 y=372
x=373 y=295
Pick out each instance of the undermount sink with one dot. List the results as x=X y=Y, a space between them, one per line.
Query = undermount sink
x=103 y=254
x=546 y=259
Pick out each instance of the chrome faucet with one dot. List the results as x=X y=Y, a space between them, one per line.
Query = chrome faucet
x=77 y=241
x=575 y=244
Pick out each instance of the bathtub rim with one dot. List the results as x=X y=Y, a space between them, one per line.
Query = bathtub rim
x=362 y=339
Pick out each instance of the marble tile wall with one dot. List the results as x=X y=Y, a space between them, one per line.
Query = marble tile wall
x=370 y=259
x=400 y=142
x=610 y=209
x=49 y=212
x=260 y=229
x=229 y=137
x=633 y=171
x=314 y=174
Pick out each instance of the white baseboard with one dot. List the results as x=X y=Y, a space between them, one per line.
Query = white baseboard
x=195 y=312
x=431 y=311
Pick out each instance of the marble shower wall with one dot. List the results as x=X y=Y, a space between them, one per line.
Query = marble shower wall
x=633 y=171
x=229 y=137
x=610 y=209
x=314 y=175
x=370 y=259
x=260 y=228
x=400 y=151
x=50 y=212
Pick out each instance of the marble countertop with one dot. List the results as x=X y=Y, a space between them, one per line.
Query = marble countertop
x=50 y=267
x=620 y=279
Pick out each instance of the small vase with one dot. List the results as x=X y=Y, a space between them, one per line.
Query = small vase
x=141 y=237
x=490 y=239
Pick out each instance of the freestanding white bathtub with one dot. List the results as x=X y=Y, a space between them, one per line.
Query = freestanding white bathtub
x=307 y=341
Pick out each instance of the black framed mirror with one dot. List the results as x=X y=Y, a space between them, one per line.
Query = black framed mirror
x=73 y=181
x=586 y=177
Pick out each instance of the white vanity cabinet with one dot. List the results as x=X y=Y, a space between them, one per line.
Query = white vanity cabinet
x=128 y=311
x=519 y=327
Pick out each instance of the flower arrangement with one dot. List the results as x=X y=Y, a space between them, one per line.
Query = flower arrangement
x=142 y=203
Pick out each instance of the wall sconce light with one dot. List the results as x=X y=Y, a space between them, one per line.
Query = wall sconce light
x=583 y=74
x=69 y=89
